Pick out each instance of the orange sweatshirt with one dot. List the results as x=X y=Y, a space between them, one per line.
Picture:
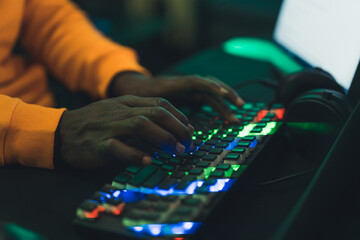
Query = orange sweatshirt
x=58 y=38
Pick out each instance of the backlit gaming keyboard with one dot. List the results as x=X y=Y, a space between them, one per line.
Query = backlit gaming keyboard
x=171 y=197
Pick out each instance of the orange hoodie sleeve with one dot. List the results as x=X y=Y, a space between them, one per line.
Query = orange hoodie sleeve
x=57 y=33
x=27 y=133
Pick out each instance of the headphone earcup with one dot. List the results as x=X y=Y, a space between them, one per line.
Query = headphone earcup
x=314 y=119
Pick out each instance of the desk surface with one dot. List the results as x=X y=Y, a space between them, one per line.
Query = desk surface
x=45 y=201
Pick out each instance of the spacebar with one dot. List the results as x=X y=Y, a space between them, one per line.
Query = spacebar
x=144 y=174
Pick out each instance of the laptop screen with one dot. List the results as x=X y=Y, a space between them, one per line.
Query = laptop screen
x=323 y=33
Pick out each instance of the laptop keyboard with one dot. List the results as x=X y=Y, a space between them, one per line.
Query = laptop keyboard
x=171 y=197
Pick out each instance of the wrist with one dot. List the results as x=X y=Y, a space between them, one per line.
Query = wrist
x=121 y=84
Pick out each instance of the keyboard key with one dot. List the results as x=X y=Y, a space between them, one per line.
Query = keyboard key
x=202 y=164
x=176 y=161
x=227 y=139
x=199 y=154
x=223 y=167
x=161 y=206
x=205 y=148
x=265 y=120
x=248 y=119
x=185 y=182
x=122 y=178
x=193 y=161
x=211 y=142
x=256 y=130
x=248 y=138
x=168 y=167
x=216 y=151
x=232 y=156
x=183 y=211
x=260 y=125
x=170 y=198
x=217 y=174
x=209 y=182
x=222 y=145
x=142 y=175
x=233 y=134
x=178 y=174
x=153 y=197
x=158 y=162
x=243 y=144
x=216 y=137
x=151 y=216
x=165 y=155
x=198 y=142
x=196 y=171
x=155 y=179
x=186 y=167
x=238 y=150
x=209 y=157
x=132 y=169
x=107 y=188
x=168 y=183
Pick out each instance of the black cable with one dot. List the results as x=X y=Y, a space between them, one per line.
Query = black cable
x=265 y=81
x=294 y=175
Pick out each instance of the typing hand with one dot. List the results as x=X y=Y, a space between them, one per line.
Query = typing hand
x=190 y=90
x=94 y=135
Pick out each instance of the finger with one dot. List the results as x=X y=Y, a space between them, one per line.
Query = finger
x=143 y=127
x=118 y=151
x=167 y=121
x=133 y=101
x=221 y=107
x=232 y=95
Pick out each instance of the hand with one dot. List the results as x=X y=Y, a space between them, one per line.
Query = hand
x=94 y=135
x=185 y=89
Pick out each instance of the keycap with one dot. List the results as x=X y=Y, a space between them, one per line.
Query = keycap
x=205 y=148
x=168 y=167
x=216 y=137
x=107 y=188
x=265 y=119
x=252 y=114
x=256 y=130
x=209 y=157
x=153 y=197
x=132 y=169
x=223 y=167
x=168 y=183
x=98 y=197
x=176 y=160
x=143 y=205
x=211 y=142
x=122 y=178
x=142 y=175
x=199 y=154
x=232 y=156
x=186 y=167
x=227 y=139
x=158 y=162
x=216 y=151
x=209 y=182
x=151 y=216
x=248 y=138
x=155 y=179
x=243 y=144
x=184 y=183
x=198 y=142
x=222 y=145
x=178 y=174
x=233 y=134
x=114 y=201
x=202 y=164
x=248 y=119
x=165 y=155
x=193 y=161
x=196 y=171
x=277 y=105
x=238 y=128
x=217 y=174
x=238 y=150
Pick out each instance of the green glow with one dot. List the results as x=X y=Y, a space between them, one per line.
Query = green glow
x=230 y=130
x=235 y=167
x=210 y=131
x=170 y=173
x=200 y=132
x=186 y=173
x=193 y=137
x=216 y=131
x=246 y=130
x=264 y=51
x=268 y=130
x=224 y=135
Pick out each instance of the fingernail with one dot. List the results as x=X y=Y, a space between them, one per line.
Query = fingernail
x=191 y=129
x=180 y=148
x=239 y=102
x=146 y=160
x=223 y=91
